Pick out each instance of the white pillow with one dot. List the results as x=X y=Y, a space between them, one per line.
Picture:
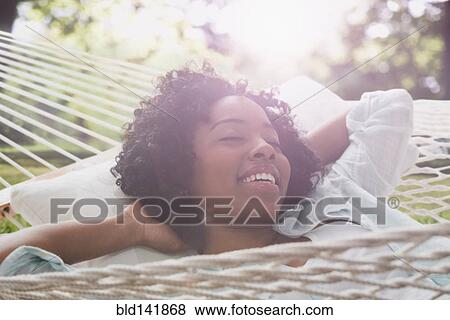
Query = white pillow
x=32 y=200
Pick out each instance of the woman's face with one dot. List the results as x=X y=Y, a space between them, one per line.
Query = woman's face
x=238 y=155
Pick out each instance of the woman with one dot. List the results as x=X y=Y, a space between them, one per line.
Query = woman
x=200 y=136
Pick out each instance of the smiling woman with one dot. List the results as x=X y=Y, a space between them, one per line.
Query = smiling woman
x=199 y=135
x=225 y=142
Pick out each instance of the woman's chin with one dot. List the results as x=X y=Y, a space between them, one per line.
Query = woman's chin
x=256 y=208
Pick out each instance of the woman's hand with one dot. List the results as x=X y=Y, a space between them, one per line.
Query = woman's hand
x=152 y=233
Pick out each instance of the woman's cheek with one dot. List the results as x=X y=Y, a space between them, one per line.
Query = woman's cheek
x=216 y=174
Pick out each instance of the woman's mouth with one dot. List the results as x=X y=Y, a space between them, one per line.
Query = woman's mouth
x=260 y=182
x=259 y=177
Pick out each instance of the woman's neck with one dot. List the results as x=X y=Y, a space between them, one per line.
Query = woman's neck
x=219 y=239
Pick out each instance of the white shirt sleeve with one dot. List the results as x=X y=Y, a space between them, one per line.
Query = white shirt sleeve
x=380 y=151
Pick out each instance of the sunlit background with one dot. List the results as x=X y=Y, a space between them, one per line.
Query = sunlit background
x=266 y=41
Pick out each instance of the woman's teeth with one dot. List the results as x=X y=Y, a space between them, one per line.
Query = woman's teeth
x=259 y=177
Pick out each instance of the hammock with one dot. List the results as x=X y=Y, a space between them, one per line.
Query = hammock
x=79 y=113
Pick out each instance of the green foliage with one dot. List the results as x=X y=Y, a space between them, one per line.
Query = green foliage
x=7 y=226
x=14 y=176
x=416 y=201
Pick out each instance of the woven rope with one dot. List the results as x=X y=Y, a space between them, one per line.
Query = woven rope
x=256 y=273
x=425 y=189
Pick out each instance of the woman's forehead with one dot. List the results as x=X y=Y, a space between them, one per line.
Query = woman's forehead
x=239 y=107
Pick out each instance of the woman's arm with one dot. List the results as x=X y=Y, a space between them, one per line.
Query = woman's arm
x=75 y=242
x=329 y=140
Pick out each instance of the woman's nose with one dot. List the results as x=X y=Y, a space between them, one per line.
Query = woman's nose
x=263 y=151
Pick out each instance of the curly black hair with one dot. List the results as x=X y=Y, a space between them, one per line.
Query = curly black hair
x=157 y=156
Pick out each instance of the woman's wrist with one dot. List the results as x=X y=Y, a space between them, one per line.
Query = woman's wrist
x=145 y=231
x=129 y=229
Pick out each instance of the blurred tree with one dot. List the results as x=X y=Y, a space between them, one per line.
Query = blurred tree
x=8 y=14
x=420 y=63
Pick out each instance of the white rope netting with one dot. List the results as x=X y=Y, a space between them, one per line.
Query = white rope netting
x=52 y=99
x=360 y=268
x=35 y=76
x=425 y=189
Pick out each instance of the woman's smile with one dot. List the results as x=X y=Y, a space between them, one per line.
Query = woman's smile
x=261 y=178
